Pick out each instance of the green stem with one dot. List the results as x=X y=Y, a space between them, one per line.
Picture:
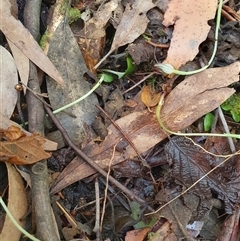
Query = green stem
x=15 y=222
x=168 y=69
x=81 y=98
x=158 y=114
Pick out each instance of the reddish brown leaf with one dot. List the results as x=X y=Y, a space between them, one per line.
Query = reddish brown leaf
x=26 y=150
x=13 y=133
x=5 y=123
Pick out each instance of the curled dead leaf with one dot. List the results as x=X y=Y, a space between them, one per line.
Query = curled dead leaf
x=23 y=151
x=149 y=96
x=13 y=133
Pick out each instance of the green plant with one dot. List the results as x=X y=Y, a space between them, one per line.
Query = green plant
x=104 y=77
x=232 y=104
x=208 y=121
x=73 y=13
x=158 y=115
x=168 y=68
x=130 y=69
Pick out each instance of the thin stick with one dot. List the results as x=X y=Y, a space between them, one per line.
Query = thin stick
x=106 y=188
x=137 y=84
x=96 y=228
x=225 y=126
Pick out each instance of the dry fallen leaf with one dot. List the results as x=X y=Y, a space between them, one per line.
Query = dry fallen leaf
x=8 y=79
x=137 y=234
x=5 y=123
x=23 y=40
x=17 y=205
x=13 y=133
x=133 y=23
x=190 y=20
x=22 y=63
x=24 y=151
x=149 y=96
x=202 y=92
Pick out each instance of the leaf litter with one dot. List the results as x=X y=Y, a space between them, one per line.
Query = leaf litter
x=185 y=104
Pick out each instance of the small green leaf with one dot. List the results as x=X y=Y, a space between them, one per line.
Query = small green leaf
x=130 y=66
x=107 y=78
x=232 y=105
x=208 y=121
x=235 y=115
x=130 y=69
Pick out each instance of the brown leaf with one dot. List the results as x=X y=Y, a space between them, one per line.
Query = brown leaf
x=200 y=93
x=92 y=36
x=190 y=163
x=5 y=123
x=190 y=100
x=9 y=78
x=26 y=150
x=133 y=23
x=137 y=234
x=13 y=133
x=149 y=96
x=190 y=19
x=22 y=64
x=17 y=205
x=20 y=36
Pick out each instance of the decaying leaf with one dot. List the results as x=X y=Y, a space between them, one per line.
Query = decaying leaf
x=133 y=23
x=13 y=133
x=190 y=163
x=17 y=205
x=163 y=232
x=190 y=100
x=5 y=123
x=92 y=36
x=23 y=40
x=190 y=19
x=26 y=150
x=8 y=79
x=70 y=63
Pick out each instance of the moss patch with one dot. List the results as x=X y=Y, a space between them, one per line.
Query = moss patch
x=73 y=13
